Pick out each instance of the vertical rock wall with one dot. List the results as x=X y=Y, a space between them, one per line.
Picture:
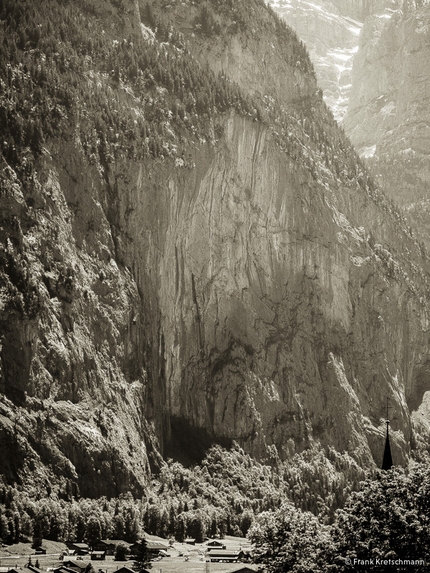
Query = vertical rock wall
x=279 y=318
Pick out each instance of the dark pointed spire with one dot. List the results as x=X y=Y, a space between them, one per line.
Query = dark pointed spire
x=387 y=462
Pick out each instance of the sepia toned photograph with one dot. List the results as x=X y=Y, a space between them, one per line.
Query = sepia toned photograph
x=214 y=286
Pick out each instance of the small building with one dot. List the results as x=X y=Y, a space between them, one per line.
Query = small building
x=34 y=569
x=224 y=555
x=244 y=569
x=102 y=545
x=190 y=541
x=79 y=548
x=74 y=565
x=154 y=548
x=39 y=550
x=98 y=555
x=64 y=570
x=216 y=543
x=110 y=545
x=125 y=569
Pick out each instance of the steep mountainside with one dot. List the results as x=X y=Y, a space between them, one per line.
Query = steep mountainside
x=388 y=112
x=187 y=259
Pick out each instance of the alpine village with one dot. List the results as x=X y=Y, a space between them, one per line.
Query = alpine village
x=214 y=286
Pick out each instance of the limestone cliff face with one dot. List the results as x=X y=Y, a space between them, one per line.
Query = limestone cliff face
x=388 y=112
x=282 y=319
x=256 y=288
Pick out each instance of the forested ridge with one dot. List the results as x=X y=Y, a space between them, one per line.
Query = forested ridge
x=66 y=75
x=137 y=96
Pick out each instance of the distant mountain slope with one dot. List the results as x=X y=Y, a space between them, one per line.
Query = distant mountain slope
x=332 y=40
x=385 y=95
x=388 y=112
x=192 y=251
x=331 y=32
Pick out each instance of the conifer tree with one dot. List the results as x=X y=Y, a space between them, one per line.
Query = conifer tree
x=141 y=559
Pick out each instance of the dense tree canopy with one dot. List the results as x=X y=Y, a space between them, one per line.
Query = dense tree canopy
x=220 y=496
x=388 y=518
x=288 y=540
x=384 y=526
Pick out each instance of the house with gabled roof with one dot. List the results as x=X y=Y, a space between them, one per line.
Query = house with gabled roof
x=225 y=555
x=244 y=569
x=79 y=548
x=216 y=543
x=110 y=545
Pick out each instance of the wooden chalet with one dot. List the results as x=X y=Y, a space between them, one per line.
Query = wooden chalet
x=74 y=565
x=98 y=555
x=63 y=569
x=154 y=547
x=215 y=543
x=125 y=569
x=109 y=545
x=79 y=548
x=225 y=555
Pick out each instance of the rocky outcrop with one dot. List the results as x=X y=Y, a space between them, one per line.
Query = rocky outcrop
x=360 y=9
x=73 y=382
x=389 y=74
x=382 y=101
x=332 y=39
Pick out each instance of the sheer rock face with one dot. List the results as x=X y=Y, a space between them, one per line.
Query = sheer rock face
x=390 y=73
x=281 y=320
x=235 y=291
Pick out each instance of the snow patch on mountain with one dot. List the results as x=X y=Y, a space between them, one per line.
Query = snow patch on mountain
x=332 y=40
